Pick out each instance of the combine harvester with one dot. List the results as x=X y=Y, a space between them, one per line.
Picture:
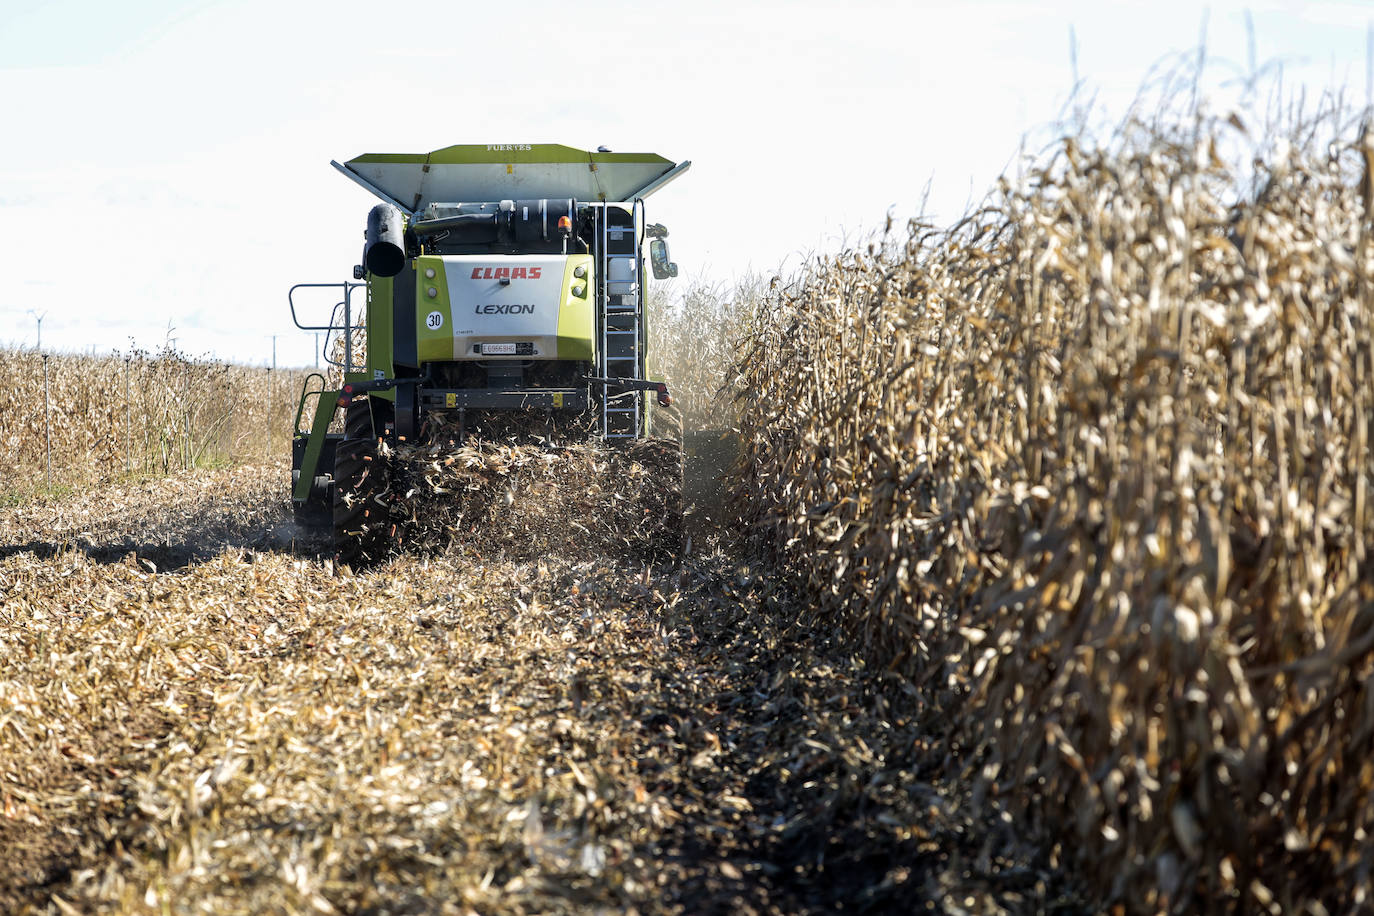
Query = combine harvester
x=504 y=290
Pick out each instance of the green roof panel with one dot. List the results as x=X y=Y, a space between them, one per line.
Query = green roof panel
x=508 y=171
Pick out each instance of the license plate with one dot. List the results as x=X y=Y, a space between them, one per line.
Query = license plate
x=500 y=349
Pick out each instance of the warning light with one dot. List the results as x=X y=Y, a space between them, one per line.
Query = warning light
x=564 y=224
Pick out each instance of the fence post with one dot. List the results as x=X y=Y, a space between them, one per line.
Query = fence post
x=229 y=422
x=128 y=423
x=186 y=402
x=47 y=428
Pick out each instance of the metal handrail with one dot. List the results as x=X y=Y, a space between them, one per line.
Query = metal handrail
x=306 y=392
x=346 y=327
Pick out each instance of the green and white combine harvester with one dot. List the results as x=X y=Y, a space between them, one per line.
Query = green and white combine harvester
x=503 y=282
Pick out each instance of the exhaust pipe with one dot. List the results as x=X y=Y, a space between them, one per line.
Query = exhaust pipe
x=384 y=252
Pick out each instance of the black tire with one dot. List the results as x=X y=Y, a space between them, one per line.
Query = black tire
x=362 y=518
x=316 y=514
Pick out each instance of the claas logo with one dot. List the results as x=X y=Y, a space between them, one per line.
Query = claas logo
x=506 y=273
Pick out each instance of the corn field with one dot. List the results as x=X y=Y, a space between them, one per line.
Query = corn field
x=90 y=418
x=693 y=338
x=1041 y=585
x=1092 y=470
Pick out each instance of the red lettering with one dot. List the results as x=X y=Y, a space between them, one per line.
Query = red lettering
x=506 y=273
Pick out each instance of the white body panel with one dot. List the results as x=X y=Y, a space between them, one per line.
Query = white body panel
x=487 y=311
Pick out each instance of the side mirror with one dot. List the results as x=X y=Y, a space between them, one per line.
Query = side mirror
x=658 y=260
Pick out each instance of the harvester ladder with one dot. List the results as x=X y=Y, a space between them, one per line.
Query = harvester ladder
x=621 y=300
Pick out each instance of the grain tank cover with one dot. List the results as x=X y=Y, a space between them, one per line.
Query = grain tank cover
x=509 y=171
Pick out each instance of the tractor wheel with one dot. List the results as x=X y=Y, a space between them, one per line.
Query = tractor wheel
x=316 y=514
x=362 y=518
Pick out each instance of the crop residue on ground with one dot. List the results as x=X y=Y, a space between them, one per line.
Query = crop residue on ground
x=234 y=726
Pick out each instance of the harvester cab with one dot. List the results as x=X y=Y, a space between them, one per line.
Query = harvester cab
x=500 y=287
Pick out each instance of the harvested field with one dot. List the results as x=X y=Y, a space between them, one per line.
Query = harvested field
x=201 y=716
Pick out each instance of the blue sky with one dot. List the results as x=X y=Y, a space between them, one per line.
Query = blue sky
x=166 y=163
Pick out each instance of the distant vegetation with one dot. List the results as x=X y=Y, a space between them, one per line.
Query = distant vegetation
x=138 y=413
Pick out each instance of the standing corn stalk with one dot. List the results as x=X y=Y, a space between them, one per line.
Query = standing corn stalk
x=1092 y=469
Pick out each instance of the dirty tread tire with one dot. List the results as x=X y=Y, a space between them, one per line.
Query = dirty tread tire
x=316 y=515
x=362 y=523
